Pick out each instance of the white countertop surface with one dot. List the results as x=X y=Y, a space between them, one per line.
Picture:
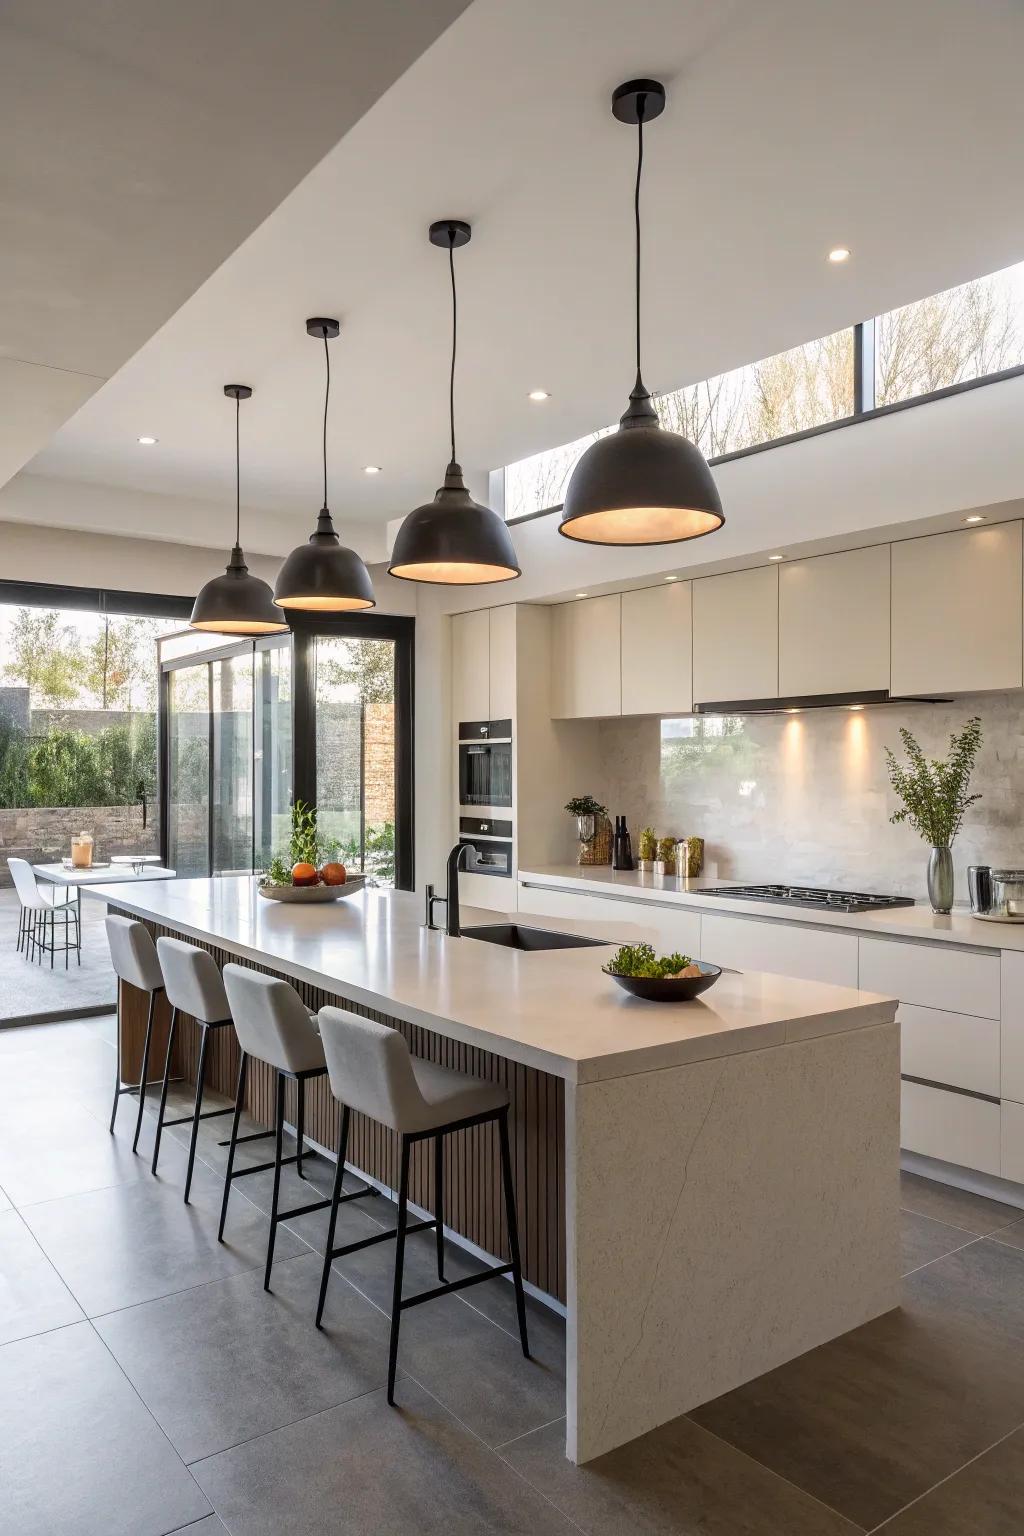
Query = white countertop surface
x=553 y=1009
x=917 y=922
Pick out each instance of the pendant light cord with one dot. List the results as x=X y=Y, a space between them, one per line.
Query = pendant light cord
x=238 y=477
x=455 y=332
x=327 y=396
x=636 y=217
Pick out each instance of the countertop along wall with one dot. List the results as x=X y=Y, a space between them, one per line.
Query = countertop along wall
x=806 y=798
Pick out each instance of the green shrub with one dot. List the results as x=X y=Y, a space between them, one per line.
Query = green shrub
x=68 y=767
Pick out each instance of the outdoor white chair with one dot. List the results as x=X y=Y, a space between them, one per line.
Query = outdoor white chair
x=40 y=910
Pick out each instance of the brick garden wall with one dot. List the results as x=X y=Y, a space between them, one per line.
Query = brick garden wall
x=42 y=834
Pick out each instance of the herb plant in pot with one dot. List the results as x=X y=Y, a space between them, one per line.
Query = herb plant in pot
x=593 y=828
x=665 y=863
x=648 y=851
x=934 y=801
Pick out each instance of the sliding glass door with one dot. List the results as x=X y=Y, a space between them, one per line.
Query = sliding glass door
x=354 y=692
x=186 y=799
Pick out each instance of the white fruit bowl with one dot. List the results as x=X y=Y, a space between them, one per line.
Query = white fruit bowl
x=353 y=884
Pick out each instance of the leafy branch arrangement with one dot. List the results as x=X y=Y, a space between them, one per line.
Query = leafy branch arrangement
x=933 y=792
x=586 y=805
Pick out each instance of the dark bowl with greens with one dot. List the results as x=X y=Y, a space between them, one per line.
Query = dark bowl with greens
x=668 y=979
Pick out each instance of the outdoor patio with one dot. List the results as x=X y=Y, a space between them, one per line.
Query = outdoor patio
x=33 y=992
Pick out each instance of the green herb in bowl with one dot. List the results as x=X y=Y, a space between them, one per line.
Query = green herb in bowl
x=640 y=960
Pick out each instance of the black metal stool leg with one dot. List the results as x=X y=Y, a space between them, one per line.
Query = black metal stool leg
x=145 y=1069
x=339 y=1174
x=239 y=1098
x=396 y=1295
x=439 y=1201
x=278 y=1133
x=163 y=1089
x=513 y=1229
x=200 y=1081
x=300 y=1123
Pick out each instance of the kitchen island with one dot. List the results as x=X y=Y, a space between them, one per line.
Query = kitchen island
x=711 y=1187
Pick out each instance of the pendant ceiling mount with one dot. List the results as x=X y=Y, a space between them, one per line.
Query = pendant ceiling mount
x=237 y=603
x=453 y=540
x=641 y=484
x=322 y=576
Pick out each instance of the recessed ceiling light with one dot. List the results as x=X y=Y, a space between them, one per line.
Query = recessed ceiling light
x=975 y=517
x=371 y=469
x=147 y=442
x=540 y=394
x=581 y=594
x=856 y=706
x=776 y=557
x=838 y=253
x=792 y=711
x=671 y=578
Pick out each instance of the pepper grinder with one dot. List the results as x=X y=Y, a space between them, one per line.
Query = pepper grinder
x=622 y=846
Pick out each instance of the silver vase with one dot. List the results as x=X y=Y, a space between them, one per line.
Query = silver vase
x=940 y=879
x=586 y=827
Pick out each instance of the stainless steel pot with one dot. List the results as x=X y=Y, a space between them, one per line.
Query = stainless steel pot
x=1008 y=893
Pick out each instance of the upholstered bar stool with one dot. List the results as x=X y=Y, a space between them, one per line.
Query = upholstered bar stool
x=274 y=1026
x=134 y=958
x=373 y=1071
x=193 y=986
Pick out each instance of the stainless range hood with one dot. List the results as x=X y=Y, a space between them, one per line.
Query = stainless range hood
x=862 y=700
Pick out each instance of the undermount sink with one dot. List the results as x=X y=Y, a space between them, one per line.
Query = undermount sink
x=518 y=936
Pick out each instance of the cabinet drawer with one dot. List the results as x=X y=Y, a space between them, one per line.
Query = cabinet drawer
x=932 y=976
x=1012 y=975
x=743 y=944
x=1012 y=1150
x=950 y=1048
x=950 y=1126
x=667 y=929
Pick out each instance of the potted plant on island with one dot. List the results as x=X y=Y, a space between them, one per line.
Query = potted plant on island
x=648 y=851
x=935 y=799
x=665 y=863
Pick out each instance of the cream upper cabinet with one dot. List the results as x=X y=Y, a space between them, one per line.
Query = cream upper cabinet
x=657 y=657
x=586 y=658
x=845 y=595
x=957 y=611
x=471 y=683
x=502 y=663
x=736 y=636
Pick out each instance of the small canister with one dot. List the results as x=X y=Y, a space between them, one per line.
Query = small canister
x=81 y=851
x=689 y=857
x=1008 y=893
x=979 y=886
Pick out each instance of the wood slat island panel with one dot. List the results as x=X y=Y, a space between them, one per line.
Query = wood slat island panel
x=473 y=1204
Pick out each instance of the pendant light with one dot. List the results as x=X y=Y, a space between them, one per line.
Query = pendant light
x=641 y=484
x=453 y=540
x=322 y=576
x=237 y=603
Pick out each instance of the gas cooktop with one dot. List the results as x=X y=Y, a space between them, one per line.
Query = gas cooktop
x=810 y=896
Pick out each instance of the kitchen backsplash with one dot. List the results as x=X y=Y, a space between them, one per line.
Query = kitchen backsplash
x=805 y=798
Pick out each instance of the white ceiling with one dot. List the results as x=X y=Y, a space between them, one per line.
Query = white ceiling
x=142 y=142
x=895 y=127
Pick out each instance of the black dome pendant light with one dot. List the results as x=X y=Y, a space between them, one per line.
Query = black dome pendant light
x=322 y=576
x=453 y=540
x=237 y=603
x=641 y=484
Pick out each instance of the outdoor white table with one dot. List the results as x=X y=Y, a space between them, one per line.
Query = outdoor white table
x=104 y=874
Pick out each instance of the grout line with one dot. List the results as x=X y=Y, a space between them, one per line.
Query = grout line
x=527 y=1432
x=939 y=1221
x=940 y=1256
x=265 y=1434
x=948 y=1478
x=198 y=1285
x=854 y=1527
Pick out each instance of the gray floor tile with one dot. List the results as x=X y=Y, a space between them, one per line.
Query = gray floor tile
x=367 y=1468
x=476 y=1368
x=134 y=1242
x=872 y=1420
x=1012 y=1236
x=922 y=1240
x=79 y=1454
x=211 y=1526
x=958 y=1207
x=677 y=1481
x=985 y=1499
x=51 y=1150
x=5 y=1204
x=255 y=1360
x=33 y=1297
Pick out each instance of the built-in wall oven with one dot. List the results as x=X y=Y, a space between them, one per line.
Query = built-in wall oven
x=491 y=842
x=485 y=763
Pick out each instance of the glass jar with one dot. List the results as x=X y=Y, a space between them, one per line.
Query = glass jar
x=81 y=851
x=1008 y=892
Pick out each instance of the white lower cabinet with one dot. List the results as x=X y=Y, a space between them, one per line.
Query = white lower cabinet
x=1012 y=1082
x=955 y=1127
x=950 y=1048
x=667 y=928
x=1012 y=1149
x=745 y=944
x=932 y=975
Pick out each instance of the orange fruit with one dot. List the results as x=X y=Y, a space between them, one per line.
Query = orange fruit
x=304 y=874
x=333 y=874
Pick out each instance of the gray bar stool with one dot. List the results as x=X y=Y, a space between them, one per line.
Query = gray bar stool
x=274 y=1026
x=134 y=958
x=193 y=986
x=372 y=1071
